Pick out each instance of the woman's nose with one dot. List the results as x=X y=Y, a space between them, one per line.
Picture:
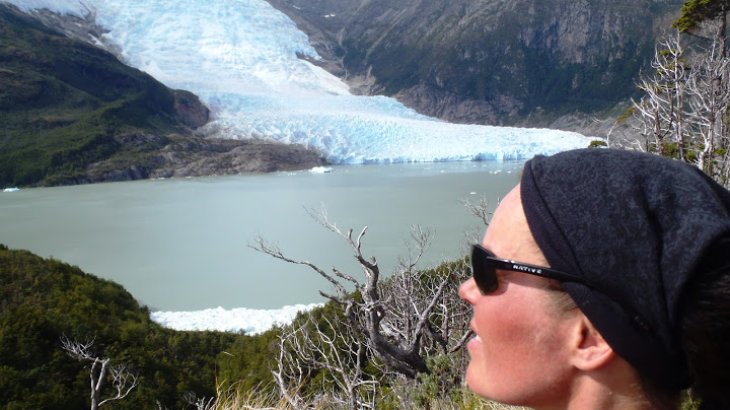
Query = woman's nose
x=468 y=291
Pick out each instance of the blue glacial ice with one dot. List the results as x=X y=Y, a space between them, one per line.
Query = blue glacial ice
x=240 y=57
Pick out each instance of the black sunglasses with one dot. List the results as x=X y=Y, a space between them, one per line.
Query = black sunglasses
x=484 y=265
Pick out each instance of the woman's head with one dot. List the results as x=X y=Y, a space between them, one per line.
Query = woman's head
x=517 y=337
x=530 y=346
x=635 y=228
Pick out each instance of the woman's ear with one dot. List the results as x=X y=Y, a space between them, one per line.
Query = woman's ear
x=590 y=349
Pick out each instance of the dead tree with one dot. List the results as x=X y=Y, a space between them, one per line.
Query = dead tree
x=423 y=305
x=122 y=379
x=709 y=98
x=479 y=209
x=661 y=111
x=684 y=112
x=322 y=345
x=398 y=318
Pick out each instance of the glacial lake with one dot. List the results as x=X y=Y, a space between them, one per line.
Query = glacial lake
x=183 y=244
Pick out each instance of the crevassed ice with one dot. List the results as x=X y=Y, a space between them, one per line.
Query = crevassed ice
x=250 y=321
x=241 y=58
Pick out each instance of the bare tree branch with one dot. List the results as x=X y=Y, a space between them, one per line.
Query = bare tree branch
x=396 y=316
x=123 y=382
x=480 y=209
x=200 y=403
x=122 y=379
x=395 y=323
x=262 y=246
x=336 y=348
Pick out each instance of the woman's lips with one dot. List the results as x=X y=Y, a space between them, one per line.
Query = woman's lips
x=474 y=343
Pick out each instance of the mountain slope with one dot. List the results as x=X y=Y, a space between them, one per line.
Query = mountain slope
x=42 y=300
x=72 y=113
x=487 y=61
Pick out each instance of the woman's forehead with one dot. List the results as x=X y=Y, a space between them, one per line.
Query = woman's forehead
x=508 y=235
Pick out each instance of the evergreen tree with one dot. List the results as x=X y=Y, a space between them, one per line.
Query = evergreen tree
x=696 y=12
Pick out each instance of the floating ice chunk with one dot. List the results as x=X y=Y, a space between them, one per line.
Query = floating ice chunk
x=250 y=321
x=321 y=170
x=12 y=189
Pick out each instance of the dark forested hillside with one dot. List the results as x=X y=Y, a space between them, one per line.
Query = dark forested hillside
x=72 y=113
x=63 y=102
x=487 y=61
x=42 y=300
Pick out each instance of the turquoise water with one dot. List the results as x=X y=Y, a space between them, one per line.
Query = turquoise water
x=182 y=244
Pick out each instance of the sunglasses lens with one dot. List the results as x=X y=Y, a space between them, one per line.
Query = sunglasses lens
x=483 y=271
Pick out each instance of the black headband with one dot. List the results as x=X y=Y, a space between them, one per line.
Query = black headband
x=636 y=226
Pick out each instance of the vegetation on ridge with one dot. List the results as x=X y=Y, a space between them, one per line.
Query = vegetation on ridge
x=42 y=300
x=684 y=111
x=63 y=102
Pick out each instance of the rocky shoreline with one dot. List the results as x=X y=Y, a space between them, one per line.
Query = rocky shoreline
x=196 y=157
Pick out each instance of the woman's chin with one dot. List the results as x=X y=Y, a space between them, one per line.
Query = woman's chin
x=475 y=380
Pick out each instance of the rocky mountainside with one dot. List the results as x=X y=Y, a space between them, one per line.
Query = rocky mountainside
x=73 y=113
x=487 y=61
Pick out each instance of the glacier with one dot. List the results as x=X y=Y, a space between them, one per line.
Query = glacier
x=243 y=58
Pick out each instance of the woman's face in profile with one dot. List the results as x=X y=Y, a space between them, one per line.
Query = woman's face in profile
x=520 y=352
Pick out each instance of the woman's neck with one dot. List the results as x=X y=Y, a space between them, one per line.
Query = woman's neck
x=616 y=389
